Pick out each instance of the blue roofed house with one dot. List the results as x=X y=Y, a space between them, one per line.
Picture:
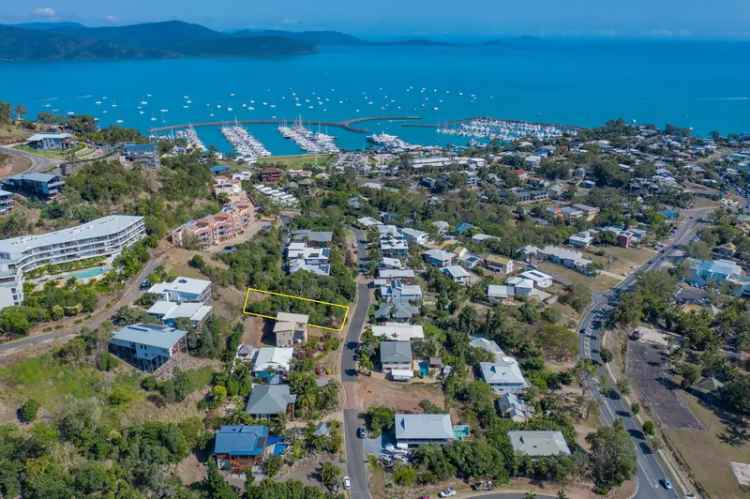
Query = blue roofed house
x=219 y=169
x=238 y=448
x=40 y=185
x=147 y=346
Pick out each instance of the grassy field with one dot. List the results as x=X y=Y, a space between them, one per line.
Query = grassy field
x=296 y=161
x=626 y=260
x=54 y=383
x=11 y=134
x=599 y=283
x=707 y=455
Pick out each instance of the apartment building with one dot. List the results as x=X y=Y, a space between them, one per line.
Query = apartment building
x=103 y=237
x=230 y=222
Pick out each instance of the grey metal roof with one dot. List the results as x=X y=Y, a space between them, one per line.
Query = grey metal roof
x=268 y=400
x=539 y=443
x=423 y=427
x=392 y=352
x=504 y=370
x=35 y=176
x=101 y=227
x=147 y=334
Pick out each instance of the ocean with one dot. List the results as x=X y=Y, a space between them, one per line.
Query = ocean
x=703 y=85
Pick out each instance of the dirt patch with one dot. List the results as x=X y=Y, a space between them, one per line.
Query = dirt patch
x=190 y=470
x=11 y=165
x=306 y=470
x=375 y=390
x=600 y=283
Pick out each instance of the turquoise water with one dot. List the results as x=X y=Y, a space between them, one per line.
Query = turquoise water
x=89 y=273
x=704 y=85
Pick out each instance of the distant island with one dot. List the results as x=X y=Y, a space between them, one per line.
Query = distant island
x=172 y=39
x=40 y=41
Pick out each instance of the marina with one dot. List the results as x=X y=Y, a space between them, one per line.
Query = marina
x=307 y=140
x=391 y=143
x=504 y=130
x=247 y=148
x=191 y=136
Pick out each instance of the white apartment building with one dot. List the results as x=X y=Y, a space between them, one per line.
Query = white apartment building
x=105 y=236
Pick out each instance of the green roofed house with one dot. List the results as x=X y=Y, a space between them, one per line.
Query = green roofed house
x=147 y=346
x=266 y=401
x=539 y=443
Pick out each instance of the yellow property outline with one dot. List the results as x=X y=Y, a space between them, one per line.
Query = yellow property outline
x=295 y=297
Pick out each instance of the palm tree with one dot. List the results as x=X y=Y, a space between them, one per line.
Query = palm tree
x=20 y=112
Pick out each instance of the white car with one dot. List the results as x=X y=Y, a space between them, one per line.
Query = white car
x=347 y=483
x=449 y=492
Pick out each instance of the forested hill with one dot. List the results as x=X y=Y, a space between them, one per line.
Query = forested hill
x=153 y=40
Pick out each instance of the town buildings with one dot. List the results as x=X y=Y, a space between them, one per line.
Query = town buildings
x=104 y=237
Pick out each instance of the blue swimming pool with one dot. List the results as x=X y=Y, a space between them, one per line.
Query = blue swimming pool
x=89 y=273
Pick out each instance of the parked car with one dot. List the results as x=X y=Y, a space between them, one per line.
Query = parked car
x=449 y=492
x=484 y=485
x=362 y=432
x=347 y=483
x=666 y=484
x=145 y=284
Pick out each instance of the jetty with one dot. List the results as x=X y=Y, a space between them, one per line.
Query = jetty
x=349 y=125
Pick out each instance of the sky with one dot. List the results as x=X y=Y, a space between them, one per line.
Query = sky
x=607 y=18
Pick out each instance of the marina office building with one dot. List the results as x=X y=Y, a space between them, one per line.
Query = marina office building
x=105 y=236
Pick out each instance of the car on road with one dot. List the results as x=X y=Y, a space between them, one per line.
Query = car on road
x=347 y=483
x=352 y=372
x=362 y=432
x=352 y=345
x=666 y=484
x=449 y=492
x=145 y=284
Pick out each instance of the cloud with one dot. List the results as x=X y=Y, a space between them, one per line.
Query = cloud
x=44 y=12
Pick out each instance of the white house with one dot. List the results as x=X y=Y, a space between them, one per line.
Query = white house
x=457 y=273
x=540 y=279
x=183 y=289
x=397 y=331
x=415 y=236
x=273 y=359
x=504 y=375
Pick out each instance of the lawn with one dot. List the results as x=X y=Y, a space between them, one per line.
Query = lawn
x=707 y=455
x=296 y=161
x=626 y=260
x=599 y=283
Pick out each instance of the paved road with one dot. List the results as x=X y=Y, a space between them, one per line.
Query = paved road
x=70 y=329
x=38 y=163
x=510 y=495
x=355 y=454
x=650 y=467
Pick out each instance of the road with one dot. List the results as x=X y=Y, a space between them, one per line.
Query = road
x=355 y=454
x=650 y=469
x=38 y=163
x=70 y=329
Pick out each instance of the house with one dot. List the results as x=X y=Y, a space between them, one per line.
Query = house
x=415 y=236
x=441 y=226
x=390 y=263
x=103 y=237
x=266 y=401
x=467 y=259
x=589 y=212
x=499 y=293
x=271 y=175
x=183 y=289
x=486 y=345
x=146 y=154
x=581 y=240
x=169 y=312
x=438 y=258
x=6 y=202
x=219 y=169
x=273 y=359
x=464 y=228
x=540 y=279
x=705 y=272
x=420 y=429
x=500 y=264
x=238 y=448
x=539 y=443
x=521 y=287
x=483 y=238
x=290 y=329
x=367 y=222
x=314 y=239
x=457 y=274
x=563 y=256
x=397 y=310
x=396 y=359
x=40 y=185
x=402 y=275
x=509 y=405
x=147 y=346
x=395 y=331
x=50 y=141
x=504 y=375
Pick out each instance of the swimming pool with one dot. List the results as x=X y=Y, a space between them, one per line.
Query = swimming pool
x=89 y=273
